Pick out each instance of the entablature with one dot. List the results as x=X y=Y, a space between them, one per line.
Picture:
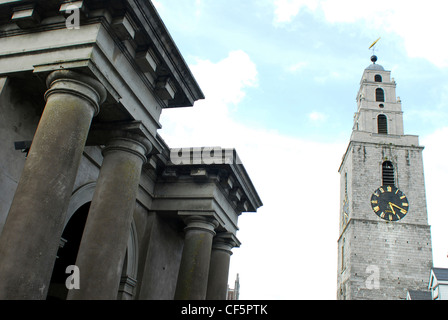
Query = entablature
x=201 y=182
x=122 y=43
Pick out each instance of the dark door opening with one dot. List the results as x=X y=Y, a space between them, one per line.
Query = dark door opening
x=66 y=256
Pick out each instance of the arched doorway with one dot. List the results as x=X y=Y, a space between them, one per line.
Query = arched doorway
x=77 y=212
x=67 y=253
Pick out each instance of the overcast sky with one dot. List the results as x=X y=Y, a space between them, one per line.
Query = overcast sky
x=280 y=79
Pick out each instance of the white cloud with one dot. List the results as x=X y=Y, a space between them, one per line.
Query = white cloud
x=436 y=175
x=297 y=67
x=224 y=84
x=157 y=4
x=286 y=10
x=328 y=76
x=285 y=171
x=294 y=235
x=350 y=11
x=198 y=7
x=224 y=81
x=316 y=116
x=421 y=26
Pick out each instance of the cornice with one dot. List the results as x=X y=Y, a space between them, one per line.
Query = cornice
x=137 y=30
x=227 y=172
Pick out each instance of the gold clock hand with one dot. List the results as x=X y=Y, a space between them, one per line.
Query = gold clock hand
x=401 y=209
x=393 y=204
x=390 y=205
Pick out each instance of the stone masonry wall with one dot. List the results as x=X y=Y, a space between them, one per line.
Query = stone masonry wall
x=383 y=259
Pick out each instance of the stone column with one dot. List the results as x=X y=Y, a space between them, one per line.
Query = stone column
x=103 y=246
x=30 y=238
x=219 y=266
x=195 y=262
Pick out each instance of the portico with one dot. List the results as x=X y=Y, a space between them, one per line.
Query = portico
x=93 y=100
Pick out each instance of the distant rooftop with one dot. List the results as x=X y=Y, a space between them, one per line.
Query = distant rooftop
x=441 y=274
x=419 y=295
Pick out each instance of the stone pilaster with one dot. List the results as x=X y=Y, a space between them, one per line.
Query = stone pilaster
x=195 y=262
x=103 y=245
x=30 y=237
x=219 y=266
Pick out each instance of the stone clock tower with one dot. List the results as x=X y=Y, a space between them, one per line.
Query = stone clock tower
x=384 y=245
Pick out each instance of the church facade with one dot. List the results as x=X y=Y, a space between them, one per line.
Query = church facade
x=93 y=203
x=384 y=245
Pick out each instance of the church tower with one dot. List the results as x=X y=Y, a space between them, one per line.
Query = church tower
x=384 y=245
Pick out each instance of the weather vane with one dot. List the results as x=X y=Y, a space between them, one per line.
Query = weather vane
x=372 y=46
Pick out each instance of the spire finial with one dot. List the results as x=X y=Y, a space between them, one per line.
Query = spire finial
x=374 y=58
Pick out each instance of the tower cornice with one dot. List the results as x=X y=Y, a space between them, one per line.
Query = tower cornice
x=367 y=138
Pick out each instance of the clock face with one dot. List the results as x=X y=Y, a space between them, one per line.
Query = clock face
x=389 y=203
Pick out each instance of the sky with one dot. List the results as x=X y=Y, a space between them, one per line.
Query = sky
x=280 y=79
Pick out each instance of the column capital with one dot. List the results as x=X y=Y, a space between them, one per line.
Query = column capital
x=225 y=241
x=131 y=136
x=129 y=142
x=202 y=223
x=67 y=81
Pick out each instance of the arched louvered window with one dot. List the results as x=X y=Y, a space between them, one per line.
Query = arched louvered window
x=379 y=93
x=388 y=174
x=382 y=124
x=378 y=78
